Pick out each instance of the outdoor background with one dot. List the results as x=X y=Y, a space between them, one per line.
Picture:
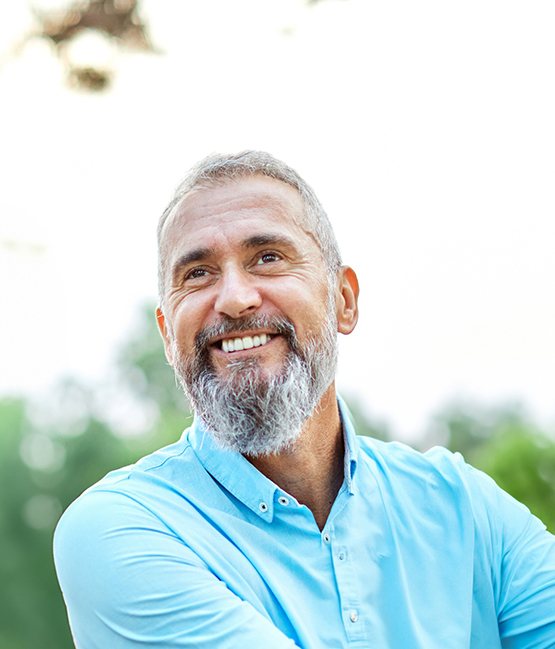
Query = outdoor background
x=427 y=130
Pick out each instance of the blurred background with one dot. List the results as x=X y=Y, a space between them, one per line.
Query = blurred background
x=427 y=131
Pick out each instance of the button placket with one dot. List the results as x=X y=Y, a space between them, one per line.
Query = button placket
x=344 y=568
x=342 y=562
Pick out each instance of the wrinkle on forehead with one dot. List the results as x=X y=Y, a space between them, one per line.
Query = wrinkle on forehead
x=201 y=202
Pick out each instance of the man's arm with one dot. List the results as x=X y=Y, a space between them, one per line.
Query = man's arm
x=525 y=567
x=129 y=582
x=527 y=604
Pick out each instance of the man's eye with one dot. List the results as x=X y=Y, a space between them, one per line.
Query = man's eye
x=196 y=273
x=267 y=258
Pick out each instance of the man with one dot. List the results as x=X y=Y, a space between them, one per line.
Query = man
x=270 y=524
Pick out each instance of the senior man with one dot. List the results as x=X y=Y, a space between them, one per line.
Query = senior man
x=270 y=524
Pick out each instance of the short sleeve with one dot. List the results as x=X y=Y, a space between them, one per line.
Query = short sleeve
x=524 y=563
x=129 y=582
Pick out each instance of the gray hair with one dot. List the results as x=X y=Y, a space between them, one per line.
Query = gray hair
x=220 y=168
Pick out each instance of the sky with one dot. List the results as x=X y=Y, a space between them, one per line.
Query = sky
x=425 y=128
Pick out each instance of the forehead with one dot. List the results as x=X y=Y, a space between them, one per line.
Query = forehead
x=256 y=201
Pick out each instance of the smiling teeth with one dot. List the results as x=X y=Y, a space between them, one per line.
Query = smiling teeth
x=248 y=342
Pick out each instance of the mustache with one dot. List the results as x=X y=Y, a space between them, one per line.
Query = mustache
x=227 y=325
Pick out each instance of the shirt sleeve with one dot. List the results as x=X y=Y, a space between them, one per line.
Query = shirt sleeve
x=525 y=567
x=129 y=582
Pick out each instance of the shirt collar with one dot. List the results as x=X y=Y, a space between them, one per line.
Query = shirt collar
x=247 y=483
x=234 y=472
x=351 y=444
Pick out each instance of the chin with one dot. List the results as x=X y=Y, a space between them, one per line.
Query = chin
x=253 y=366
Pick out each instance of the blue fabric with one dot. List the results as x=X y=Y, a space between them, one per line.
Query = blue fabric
x=193 y=547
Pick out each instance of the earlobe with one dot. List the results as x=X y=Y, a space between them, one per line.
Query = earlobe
x=162 y=328
x=347 y=308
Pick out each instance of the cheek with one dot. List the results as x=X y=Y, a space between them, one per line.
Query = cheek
x=305 y=305
x=183 y=338
x=191 y=315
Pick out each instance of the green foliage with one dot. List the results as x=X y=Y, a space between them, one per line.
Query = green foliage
x=523 y=463
x=31 y=609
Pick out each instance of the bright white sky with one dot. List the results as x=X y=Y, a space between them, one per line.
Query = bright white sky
x=426 y=128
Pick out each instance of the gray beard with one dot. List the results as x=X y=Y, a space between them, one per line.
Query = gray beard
x=247 y=411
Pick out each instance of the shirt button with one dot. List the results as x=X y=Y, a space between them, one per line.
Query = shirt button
x=326 y=537
x=341 y=556
x=353 y=616
x=282 y=500
x=263 y=507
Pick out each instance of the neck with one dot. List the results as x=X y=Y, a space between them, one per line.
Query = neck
x=312 y=470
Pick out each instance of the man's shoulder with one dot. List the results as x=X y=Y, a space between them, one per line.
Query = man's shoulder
x=140 y=489
x=399 y=456
x=438 y=476
x=436 y=473
x=163 y=464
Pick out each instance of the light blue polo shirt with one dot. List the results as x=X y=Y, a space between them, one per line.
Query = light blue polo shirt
x=194 y=547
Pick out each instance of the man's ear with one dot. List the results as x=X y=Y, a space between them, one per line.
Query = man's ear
x=347 y=304
x=162 y=327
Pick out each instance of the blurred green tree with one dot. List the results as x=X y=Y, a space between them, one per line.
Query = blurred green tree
x=31 y=610
x=522 y=461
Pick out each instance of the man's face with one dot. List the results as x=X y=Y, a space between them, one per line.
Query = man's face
x=249 y=318
x=238 y=250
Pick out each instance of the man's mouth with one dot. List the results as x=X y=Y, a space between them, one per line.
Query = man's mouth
x=245 y=342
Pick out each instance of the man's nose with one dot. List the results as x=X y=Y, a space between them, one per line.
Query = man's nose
x=238 y=294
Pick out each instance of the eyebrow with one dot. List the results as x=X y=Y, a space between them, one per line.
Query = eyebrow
x=256 y=241
x=198 y=254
